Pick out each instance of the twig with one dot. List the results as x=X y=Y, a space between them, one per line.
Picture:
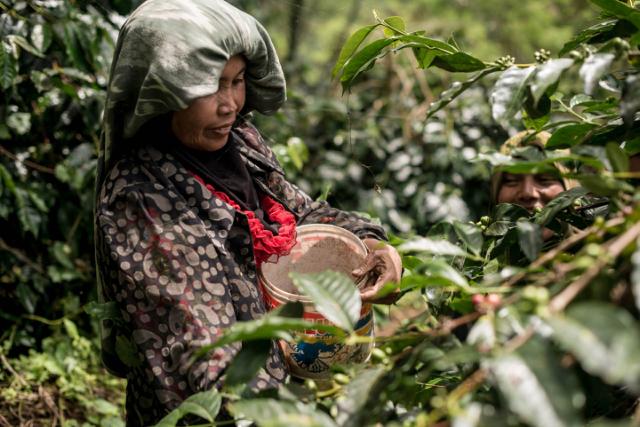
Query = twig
x=9 y=368
x=4 y=422
x=560 y=301
x=469 y=384
x=450 y=325
x=74 y=227
x=29 y=163
x=562 y=246
x=519 y=340
x=49 y=403
x=21 y=256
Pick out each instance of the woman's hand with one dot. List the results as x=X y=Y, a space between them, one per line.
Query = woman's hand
x=382 y=265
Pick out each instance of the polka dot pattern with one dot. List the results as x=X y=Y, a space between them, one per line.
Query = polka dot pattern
x=179 y=264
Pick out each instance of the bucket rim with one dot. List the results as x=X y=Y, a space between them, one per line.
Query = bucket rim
x=304 y=229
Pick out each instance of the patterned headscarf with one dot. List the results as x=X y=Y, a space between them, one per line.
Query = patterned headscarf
x=171 y=52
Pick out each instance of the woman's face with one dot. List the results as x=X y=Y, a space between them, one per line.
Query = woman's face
x=528 y=190
x=206 y=123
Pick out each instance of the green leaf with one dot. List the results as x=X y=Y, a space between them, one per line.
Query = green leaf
x=59 y=274
x=579 y=99
x=248 y=361
x=617 y=157
x=61 y=251
x=614 y=132
x=274 y=413
x=298 y=152
x=27 y=297
x=103 y=311
x=459 y=62
x=455 y=90
x=363 y=60
x=586 y=34
x=411 y=262
x=333 y=294
x=30 y=219
x=547 y=75
x=420 y=41
x=604 y=338
x=508 y=93
x=127 y=352
x=603 y=185
x=619 y=10
x=351 y=407
x=538 y=114
x=41 y=36
x=593 y=68
x=105 y=407
x=7 y=181
x=635 y=274
x=509 y=211
x=499 y=228
x=424 y=56
x=205 y=404
x=470 y=234
x=529 y=239
x=397 y=23
x=19 y=122
x=20 y=41
x=71 y=329
x=37 y=201
x=277 y=324
x=350 y=46
x=559 y=203
x=8 y=66
x=434 y=273
x=536 y=387
x=430 y=246
x=630 y=99
x=569 y=135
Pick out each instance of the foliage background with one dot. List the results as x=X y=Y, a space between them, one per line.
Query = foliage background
x=371 y=150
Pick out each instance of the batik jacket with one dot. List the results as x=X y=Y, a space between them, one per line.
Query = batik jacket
x=178 y=265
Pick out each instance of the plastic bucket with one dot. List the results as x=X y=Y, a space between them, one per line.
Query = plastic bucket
x=319 y=247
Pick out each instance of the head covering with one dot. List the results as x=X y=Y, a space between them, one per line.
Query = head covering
x=516 y=147
x=171 y=52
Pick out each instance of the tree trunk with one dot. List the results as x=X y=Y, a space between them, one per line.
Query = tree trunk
x=295 y=26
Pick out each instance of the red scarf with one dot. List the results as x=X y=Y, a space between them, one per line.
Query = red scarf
x=265 y=244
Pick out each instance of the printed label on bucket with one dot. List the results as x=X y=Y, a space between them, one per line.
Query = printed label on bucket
x=312 y=355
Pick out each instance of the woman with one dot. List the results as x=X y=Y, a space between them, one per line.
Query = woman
x=531 y=191
x=190 y=200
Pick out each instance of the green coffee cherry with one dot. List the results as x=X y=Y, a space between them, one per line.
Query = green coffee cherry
x=584 y=262
x=576 y=55
x=593 y=249
x=341 y=379
x=536 y=294
x=620 y=44
x=378 y=355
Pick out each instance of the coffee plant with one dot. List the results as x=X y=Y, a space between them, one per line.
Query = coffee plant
x=54 y=60
x=512 y=330
x=518 y=330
